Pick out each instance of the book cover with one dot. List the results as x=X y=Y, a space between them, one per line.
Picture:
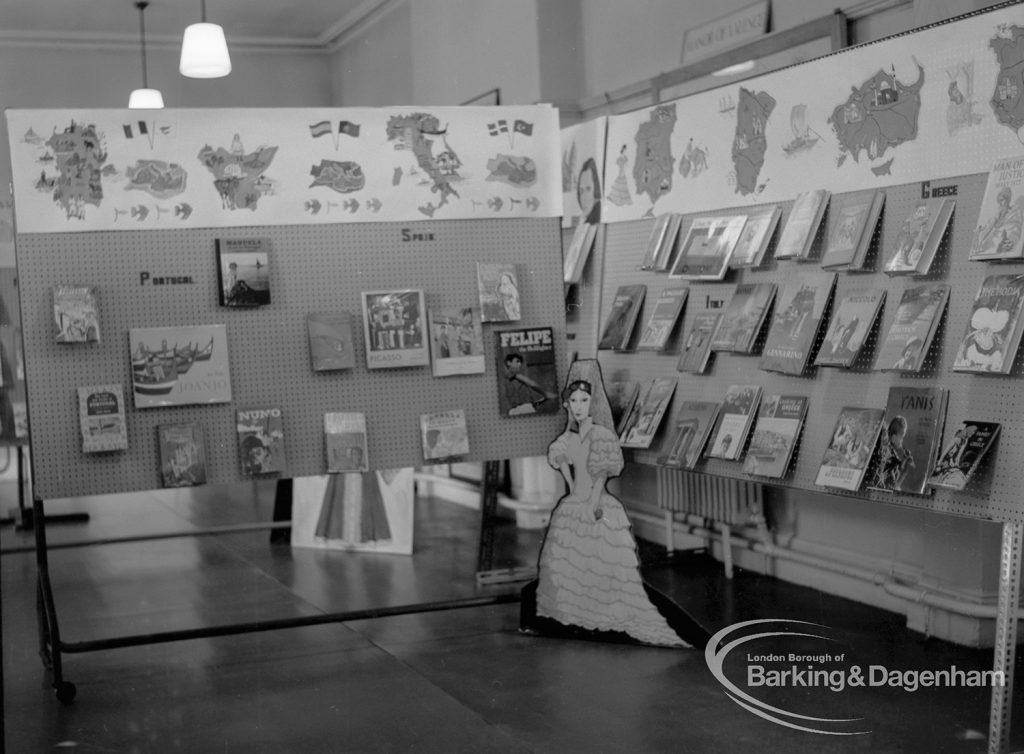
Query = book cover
x=919 y=237
x=998 y=234
x=331 y=346
x=655 y=402
x=261 y=441
x=578 y=252
x=906 y=343
x=394 y=329
x=707 y=248
x=797 y=239
x=664 y=317
x=853 y=319
x=697 y=346
x=799 y=309
x=961 y=457
x=743 y=317
x=692 y=427
x=993 y=333
x=444 y=435
x=345 y=442
x=735 y=419
x=622 y=396
x=243 y=269
x=909 y=441
x=75 y=314
x=527 y=378
x=456 y=341
x=621 y=319
x=179 y=366
x=756 y=236
x=776 y=431
x=498 y=286
x=855 y=219
x=655 y=239
x=850 y=448
x=182 y=454
x=101 y=416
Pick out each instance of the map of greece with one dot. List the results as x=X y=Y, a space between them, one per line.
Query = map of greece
x=749 y=143
x=1008 y=98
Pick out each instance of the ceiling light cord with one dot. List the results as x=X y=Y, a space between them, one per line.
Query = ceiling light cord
x=141 y=5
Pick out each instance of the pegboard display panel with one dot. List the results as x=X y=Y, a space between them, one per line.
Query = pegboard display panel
x=995 y=493
x=312 y=268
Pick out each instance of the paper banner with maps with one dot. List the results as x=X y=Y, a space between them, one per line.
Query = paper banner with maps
x=583 y=171
x=945 y=101
x=87 y=170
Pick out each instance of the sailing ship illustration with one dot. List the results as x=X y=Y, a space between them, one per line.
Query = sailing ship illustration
x=804 y=137
x=156 y=371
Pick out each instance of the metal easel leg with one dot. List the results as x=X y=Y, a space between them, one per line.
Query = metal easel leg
x=49 y=630
x=1006 y=638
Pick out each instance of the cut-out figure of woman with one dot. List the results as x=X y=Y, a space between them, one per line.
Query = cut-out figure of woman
x=589 y=583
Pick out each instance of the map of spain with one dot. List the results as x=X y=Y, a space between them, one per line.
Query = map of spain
x=880 y=114
x=237 y=175
x=1008 y=97
x=749 y=144
x=653 y=168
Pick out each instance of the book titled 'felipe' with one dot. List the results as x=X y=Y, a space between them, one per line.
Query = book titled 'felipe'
x=102 y=418
x=527 y=379
x=993 y=333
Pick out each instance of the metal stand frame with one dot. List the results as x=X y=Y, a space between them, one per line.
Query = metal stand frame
x=1006 y=638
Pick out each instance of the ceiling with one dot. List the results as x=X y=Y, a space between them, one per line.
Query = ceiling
x=276 y=23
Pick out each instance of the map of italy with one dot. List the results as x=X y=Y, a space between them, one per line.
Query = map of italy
x=749 y=143
x=1008 y=98
x=238 y=176
x=880 y=114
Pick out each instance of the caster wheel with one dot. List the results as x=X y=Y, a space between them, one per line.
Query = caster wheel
x=65 y=691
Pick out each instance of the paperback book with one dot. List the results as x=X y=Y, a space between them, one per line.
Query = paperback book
x=331 y=346
x=962 y=455
x=655 y=402
x=527 y=379
x=622 y=396
x=780 y=420
x=853 y=319
x=498 y=286
x=990 y=342
x=75 y=314
x=799 y=312
x=345 y=442
x=735 y=419
x=456 y=342
x=618 y=326
x=910 y=335
x=744 y=317
x=243 y=269
x=179 y=366
x=919 y=237
x=849 y=450
x=394 y=329
x=182 y=454
x=661 y=242
x=756 y=236
x=578 y=253
x=801 y=228
x=998 y=236
x=697 y=346
x=909 y=441
x=691 y=429
x=854 y=221
x=707 y=248
x=101 y=417
x=261 y=441
x=664 y=317
x=444 y=435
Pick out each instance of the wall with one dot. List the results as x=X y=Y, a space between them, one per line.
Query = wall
x=374 y=67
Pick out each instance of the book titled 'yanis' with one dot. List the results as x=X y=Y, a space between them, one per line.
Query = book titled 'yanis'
x=909 y=442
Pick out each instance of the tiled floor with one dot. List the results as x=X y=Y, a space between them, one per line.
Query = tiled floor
x=459 y=680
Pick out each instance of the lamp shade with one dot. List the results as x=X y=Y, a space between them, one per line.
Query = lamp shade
x=146 y=99
x=204 y=52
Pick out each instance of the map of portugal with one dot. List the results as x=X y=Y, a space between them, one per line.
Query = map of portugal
x=237 y=174
x=1008 y=98
x=749 y=144
x=653 y=168
x=880 y=114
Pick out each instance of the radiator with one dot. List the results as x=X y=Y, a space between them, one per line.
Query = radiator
x=726 y=500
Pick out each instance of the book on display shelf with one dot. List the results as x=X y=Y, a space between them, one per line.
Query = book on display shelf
x=909 y=337
x=243 y=271
x=578 y=253
x=182 y=450
x=345 y=442
x=799 y=309
x=456 y=341
x=498 y=288
x=395 y=329
x=330 y=341
x=697 y=346
x=780 y=420
x=655 y=402
x=661 y=242
x=664 y=317
x=992 y=337
x=75 y=314
x=621 y=319
x=919 y=237
x=850 y=448
x=526 y=373
x=707 y=247
x=101 y=416
x=960 y=458
x=622 y=396
x=691 y=429
x=756 y=237
x=909 y=441
x=744 y=317
x=444 y=435
x=178 y=366
x=735 y=420
x=999 y=235
x=261 y=441
x=853 y=318
x=801 y=228
x=854 y=221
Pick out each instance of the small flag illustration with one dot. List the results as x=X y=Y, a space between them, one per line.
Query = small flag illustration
x=522 y=127
x=316 y=130
x=140 y=127
x=499 y=127
x=348 y=128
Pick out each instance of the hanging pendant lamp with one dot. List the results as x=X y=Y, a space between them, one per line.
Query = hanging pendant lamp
x=204 y=50
x=144 y=98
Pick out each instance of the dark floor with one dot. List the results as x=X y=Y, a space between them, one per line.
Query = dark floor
x=460 y=680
